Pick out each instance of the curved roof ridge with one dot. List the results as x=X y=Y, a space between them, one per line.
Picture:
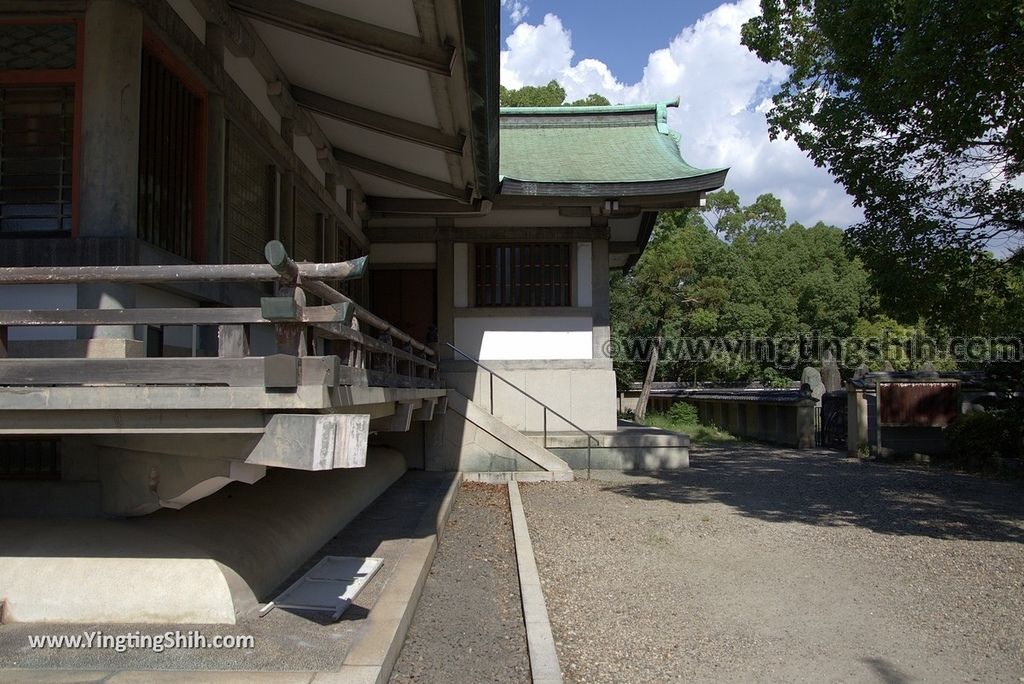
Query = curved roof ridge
x=593 y=109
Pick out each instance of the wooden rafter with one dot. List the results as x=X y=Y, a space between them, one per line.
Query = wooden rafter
x=375 y=121
x=350 y=33
x=401 y=176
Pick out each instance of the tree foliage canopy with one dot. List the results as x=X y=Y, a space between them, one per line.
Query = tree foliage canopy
x=550 y=95
x=917 y=107
x=733 y=271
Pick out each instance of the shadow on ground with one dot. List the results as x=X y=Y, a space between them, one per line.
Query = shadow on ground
x=825 y=488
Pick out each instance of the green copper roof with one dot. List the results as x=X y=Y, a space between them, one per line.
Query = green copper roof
x=620 y=145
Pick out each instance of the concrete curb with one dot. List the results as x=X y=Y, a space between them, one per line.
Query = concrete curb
x=373 y=656
x=544 y=666
x=503 y=476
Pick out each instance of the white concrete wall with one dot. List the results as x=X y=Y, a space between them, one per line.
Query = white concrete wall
x=460 y=252
x=249 y=79
x=151 y=298
x=583 y=393
x=525 y=337
x=307 y=153
x=47 y=297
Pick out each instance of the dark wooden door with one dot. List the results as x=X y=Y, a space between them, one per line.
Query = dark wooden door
x=406 y=298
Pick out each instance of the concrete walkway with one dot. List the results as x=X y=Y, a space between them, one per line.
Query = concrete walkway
x=401 y=527
x=762 y=564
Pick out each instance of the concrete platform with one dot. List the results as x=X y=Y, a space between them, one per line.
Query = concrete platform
x=631 y=447
x=208 y=563
x=401 y=527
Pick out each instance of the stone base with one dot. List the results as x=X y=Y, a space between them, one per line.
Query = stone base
x=206 y=563
x=630 y=448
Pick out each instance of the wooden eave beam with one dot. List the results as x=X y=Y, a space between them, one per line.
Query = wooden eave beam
x=391 y=206
x=350 y=33
x=375 y=121
x=243 y=41
x=401 y=176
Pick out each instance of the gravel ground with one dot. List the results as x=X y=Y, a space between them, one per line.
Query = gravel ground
x=773 y=565
x=468 y=625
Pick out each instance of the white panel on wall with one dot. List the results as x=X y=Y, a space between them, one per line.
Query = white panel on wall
x=306 y=151
x=461 y=275
x=525 y=338
x=46 y=297
x=403 y=253
x=584 y=274
x=151 y=298
x=252 y=84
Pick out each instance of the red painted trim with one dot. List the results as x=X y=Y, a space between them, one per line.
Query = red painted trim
x=71 y=77
x=159 y=49
x=76 y=147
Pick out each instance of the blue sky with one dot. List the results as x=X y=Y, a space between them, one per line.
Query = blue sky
x=620 y=37
x=656 y=50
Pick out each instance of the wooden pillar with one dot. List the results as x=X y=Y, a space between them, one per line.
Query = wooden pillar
x=600 y=299
x=445 y=297
x=108 y=189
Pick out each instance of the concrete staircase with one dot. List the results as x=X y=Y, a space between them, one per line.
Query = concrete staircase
x=541 y=464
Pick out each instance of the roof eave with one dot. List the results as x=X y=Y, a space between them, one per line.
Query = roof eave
x=481 y=23
x=708 y=182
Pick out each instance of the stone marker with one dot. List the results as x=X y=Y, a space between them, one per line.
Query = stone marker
x=830 y=375
x=887 y=367
x=812 y=378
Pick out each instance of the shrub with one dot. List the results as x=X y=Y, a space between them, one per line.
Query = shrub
x=975 y=437
x=684 y=413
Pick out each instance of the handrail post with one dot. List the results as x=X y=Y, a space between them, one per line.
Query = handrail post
x=492 y=392
x=545 y=426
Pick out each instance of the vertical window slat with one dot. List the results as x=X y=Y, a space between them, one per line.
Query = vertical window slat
x=523 y=275
x=169 y=155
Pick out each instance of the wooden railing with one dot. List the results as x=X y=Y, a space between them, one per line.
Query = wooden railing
x=324 y=344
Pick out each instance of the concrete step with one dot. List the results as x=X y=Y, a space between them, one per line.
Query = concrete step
x=630 y=448
x=509 y=436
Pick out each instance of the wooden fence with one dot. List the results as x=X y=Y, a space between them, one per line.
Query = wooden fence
x=325 y=344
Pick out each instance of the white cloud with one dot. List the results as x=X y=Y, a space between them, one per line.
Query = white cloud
x=724 y=92
x=517 y=10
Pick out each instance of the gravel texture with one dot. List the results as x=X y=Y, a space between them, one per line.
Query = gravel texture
x=761 y=564
x=468 y=625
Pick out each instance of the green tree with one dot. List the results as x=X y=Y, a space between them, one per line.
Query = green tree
x=592 y=100
x=915 y=106
x=695 y=283
x=550 y=95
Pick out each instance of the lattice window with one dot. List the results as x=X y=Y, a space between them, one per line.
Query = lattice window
x=37 y=46
x=169 y=155
x=36 y=158
x=523 y=275
x=249 y=211
x=306 y=241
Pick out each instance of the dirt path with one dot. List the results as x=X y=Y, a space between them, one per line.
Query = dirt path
x=468 y=625
x=772 y=565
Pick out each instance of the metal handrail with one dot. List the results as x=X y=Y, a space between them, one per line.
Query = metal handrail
x=532 y=398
